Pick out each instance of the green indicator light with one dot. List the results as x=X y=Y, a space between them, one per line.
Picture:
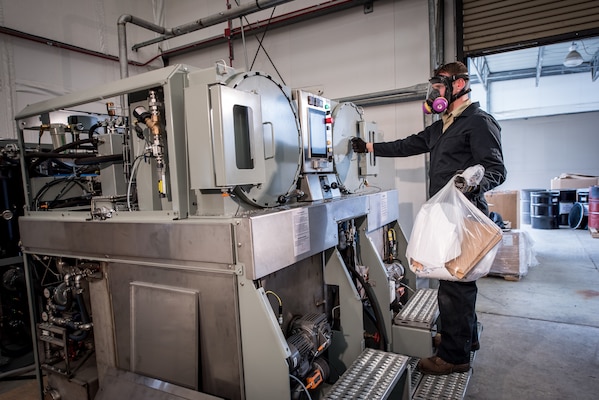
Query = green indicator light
x=326 y=106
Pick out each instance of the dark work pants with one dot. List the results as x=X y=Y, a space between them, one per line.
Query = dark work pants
x=457 y=301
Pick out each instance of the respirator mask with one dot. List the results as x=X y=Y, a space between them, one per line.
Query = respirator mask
x=435 y=103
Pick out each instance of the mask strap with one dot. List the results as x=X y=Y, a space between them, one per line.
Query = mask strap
x=462 y=92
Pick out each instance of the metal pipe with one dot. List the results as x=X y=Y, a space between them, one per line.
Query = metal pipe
x=436 y=30
x=412 y=93
x=214 y=19
x=122 y=37
x=31 y=295
x=67 y=280
x=78 y=278
x=278 y=21
x=17 y=371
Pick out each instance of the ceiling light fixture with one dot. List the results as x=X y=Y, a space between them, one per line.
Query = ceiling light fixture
x=573 y=59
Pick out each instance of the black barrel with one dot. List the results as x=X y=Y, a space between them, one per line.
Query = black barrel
x=582 y=195
x=567 y=198
x=544 y=210
x=525 y=204
x=579 y=216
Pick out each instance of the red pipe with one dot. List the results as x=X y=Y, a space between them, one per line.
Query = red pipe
x=65 y=46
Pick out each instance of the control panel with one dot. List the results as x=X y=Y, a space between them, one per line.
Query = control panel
x=316 y=123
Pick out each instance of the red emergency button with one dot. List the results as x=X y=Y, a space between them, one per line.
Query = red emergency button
x=328 y=120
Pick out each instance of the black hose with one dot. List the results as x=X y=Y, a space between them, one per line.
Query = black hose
x=48 y=185
x=375 y=306
x=53 y=154
x=99 y=159
x=72 y=202
x=67 y=146
x=41 y=156
x=81 y=334
x=92 y=129
x=82 y=308
x=75 y=144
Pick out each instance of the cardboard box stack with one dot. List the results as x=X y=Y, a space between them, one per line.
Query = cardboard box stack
x=514 y=257
x=507 y=204
x=573 y=181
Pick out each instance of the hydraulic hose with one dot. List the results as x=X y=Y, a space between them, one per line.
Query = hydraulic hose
x=375 y=306
x=82 y=333
x=99 y=159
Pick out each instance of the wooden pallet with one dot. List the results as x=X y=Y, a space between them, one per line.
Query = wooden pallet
x=507 y=276
x=594 y=233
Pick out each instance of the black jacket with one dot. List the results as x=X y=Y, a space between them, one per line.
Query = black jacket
x=473 y=138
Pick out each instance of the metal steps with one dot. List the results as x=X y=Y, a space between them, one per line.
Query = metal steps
x=447 y=387
x=421 y=311
x=439 y=387
x=413 y=326
x=372 y=376
x=375 y=374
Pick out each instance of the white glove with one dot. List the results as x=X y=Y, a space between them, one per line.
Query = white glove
x=470 y=178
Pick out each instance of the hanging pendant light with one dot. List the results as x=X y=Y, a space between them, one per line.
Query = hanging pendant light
x=573 y=59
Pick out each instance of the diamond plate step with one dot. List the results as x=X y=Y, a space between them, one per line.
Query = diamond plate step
x=415 y=375
x=440 y=387
x=446 y=387
x=421 y=311
x=372 y=376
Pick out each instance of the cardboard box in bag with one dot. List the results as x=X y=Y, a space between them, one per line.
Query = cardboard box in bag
x=478 y=241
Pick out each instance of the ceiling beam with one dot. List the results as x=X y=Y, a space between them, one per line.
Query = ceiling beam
x=552 y=70
x=539 y=64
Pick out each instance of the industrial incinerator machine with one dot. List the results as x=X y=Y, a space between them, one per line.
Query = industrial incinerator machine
x=207 y=233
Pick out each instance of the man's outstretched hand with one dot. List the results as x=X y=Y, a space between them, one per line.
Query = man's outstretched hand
x=358 y=145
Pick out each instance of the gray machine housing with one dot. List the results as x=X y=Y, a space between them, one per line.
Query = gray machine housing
x=185 y=254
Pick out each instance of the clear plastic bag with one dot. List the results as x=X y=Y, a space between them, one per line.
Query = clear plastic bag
x=452 y=239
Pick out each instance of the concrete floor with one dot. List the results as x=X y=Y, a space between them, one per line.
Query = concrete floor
x=541 y=333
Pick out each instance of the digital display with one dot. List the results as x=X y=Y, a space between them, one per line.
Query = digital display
x=318 y=133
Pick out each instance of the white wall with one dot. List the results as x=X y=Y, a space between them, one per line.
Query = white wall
x=547 y=129
x=539 y=149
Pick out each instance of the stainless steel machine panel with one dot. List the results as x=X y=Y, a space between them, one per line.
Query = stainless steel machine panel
x=153 y=320
x=184 y=241
x=282 y=238
x=127 y=385
x=188 y=314
x=382 y=209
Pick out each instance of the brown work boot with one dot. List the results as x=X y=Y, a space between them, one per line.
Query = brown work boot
x=437 y=366
x=437 y=342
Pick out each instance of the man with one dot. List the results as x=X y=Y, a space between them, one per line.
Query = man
x=464 y=136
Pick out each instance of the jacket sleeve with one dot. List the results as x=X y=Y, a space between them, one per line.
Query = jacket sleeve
x=485 y=144
x=410 y=146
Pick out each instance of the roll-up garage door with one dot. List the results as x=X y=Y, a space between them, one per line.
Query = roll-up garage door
x=511 y=24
